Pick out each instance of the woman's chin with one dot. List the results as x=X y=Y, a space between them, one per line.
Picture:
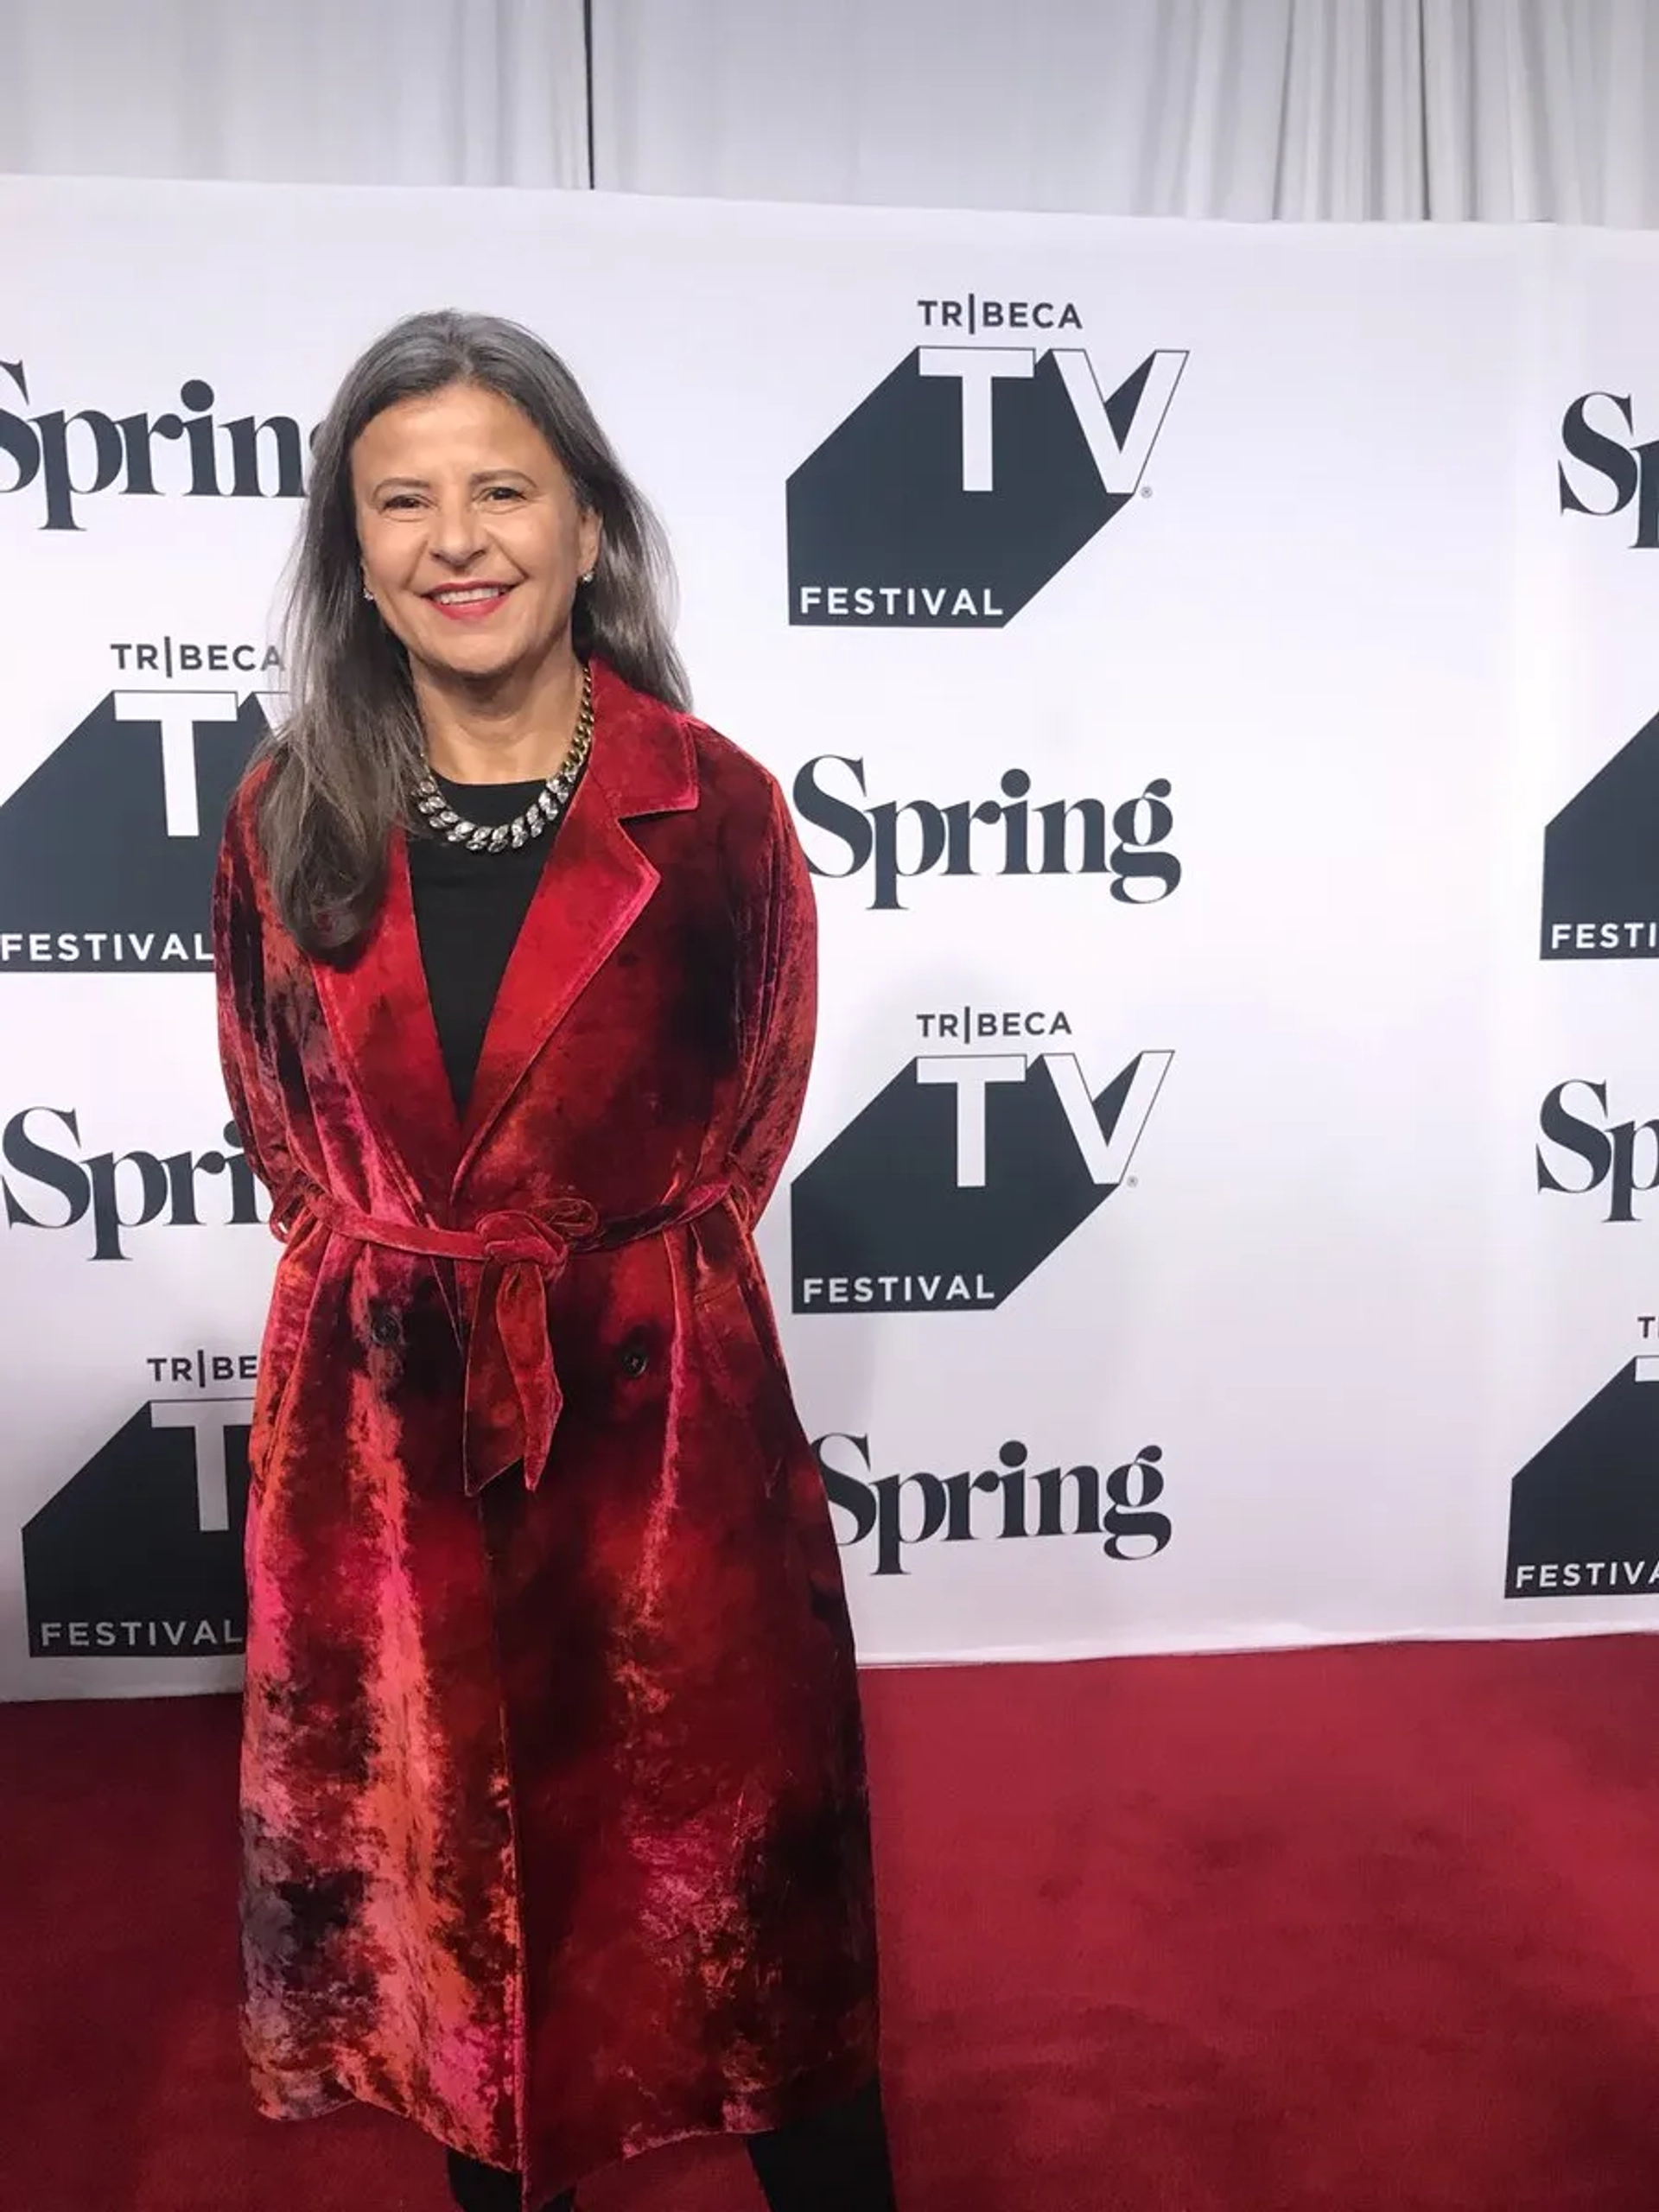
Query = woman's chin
x=480 y=660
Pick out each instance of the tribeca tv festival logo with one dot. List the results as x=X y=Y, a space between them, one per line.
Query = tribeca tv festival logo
x=54 y=1186
x=974 y=472
x=1010 y=1503
x=892 y=843
x=1601 y=861
x=1588 y=1148
x=1584 y=1512
x=52 y=462
x=139 y=1554
x=107 y=850
x=1613 y=473
x=960 y=1179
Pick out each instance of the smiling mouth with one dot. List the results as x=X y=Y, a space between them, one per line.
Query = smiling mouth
x=469 y=602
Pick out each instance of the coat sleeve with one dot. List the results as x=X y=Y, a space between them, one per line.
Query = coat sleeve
x=239 y=976
x=779 y=963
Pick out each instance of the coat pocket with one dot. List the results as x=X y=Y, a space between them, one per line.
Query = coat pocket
x=294 y=1297
x=738 y=1344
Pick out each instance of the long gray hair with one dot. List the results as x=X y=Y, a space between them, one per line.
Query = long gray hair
x=344 y=763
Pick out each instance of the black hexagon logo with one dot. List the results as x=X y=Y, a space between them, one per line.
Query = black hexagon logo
x=965 y=482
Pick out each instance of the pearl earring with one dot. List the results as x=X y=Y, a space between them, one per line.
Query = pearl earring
x=587 y=576
x=367 y=594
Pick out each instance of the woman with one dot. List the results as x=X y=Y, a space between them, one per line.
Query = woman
x=554 y=1826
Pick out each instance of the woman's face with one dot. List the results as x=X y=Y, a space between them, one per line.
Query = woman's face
x=472 y=537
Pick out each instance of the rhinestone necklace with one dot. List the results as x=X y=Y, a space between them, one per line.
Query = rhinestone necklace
x=540 y=815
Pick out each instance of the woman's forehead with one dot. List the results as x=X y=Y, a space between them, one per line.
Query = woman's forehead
x=460 y=421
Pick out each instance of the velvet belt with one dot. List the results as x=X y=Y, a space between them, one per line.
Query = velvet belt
x=520 y=1253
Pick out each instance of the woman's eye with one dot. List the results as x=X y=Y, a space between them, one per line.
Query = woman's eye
x=400 y=501
x=500 y=492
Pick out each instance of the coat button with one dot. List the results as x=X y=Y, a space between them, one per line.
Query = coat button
x=636 y=1356
x=382 y=1326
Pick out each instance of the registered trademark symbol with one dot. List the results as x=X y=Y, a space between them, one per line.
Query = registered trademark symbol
x=1131 y=1182
x=1146 y=491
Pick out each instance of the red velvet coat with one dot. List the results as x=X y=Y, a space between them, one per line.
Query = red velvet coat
x=555 y=1830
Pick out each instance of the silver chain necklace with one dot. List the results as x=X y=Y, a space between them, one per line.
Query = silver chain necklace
x=540 y=815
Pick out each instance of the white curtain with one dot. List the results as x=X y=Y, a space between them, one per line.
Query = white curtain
x=1399 y=110
x=297 y=91
x=1512 y=110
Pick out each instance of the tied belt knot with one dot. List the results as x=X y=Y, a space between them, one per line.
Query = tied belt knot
x=513 y=1398
x=545 y=1240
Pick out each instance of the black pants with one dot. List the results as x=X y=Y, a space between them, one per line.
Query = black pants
x=833 y=2161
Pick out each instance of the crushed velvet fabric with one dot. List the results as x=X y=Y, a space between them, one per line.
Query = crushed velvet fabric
x=555 y=1827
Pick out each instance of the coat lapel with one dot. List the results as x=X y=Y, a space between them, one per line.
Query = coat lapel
x=594 y=887
x=380 y=1018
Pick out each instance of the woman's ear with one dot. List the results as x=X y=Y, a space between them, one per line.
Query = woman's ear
x=592 y=533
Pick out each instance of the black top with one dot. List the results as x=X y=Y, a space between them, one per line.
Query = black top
x=469 y=908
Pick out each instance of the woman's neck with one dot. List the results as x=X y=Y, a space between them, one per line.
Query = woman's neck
x=517 y=730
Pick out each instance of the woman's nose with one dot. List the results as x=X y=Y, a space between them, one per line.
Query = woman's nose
x=456 y=532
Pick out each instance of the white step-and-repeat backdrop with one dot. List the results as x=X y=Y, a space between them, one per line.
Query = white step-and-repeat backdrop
x=1217 y=675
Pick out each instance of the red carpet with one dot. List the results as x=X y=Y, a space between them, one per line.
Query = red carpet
x=1366 y=1930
